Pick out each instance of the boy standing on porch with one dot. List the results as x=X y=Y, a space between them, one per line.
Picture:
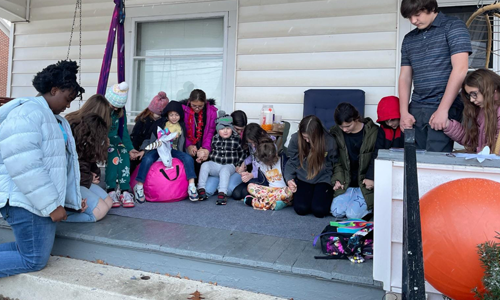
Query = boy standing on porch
x=435 y=57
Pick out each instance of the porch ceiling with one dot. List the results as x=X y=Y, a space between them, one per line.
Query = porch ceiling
x=14 y=10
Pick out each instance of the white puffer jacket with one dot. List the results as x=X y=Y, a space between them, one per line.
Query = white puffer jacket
x=37 y=171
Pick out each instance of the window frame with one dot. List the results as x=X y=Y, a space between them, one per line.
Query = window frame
x=223 y=9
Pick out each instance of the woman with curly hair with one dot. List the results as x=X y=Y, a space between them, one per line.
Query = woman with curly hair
x=91 y=139
x=39 y=172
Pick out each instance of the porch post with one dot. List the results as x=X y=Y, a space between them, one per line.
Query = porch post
x=413 y=264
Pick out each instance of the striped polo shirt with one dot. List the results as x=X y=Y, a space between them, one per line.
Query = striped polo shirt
x=428 y=52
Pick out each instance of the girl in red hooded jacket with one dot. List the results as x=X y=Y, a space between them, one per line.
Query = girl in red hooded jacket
x=389 y=132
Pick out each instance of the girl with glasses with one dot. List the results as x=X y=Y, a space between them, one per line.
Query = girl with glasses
x=481 y=117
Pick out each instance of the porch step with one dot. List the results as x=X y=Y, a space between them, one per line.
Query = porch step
x=259 y=263
x=65 y=278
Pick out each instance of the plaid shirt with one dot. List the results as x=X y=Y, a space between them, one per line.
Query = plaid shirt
x=227 y=151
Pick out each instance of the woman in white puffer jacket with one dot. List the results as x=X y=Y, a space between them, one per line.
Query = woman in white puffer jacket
x=39 y=172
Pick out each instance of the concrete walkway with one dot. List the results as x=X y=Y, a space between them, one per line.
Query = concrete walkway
x=65 y=278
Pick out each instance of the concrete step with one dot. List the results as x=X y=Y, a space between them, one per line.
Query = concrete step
x=257 y=263
x=65 y=278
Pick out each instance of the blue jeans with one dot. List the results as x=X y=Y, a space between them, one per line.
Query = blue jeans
x=152 y=156
x=350 y=204
x=92 y=195
x=213 y=182
x=34 y=240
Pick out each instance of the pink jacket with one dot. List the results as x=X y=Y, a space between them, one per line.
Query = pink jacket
x=456 y=131
x=208 y=132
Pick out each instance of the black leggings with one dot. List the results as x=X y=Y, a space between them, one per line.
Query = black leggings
x=241 y=191
x=313 y=198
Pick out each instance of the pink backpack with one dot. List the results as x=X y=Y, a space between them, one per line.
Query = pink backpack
x=164 y=184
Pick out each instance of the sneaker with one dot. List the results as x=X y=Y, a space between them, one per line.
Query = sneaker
x=193 y=194
x=202 y=195
x=127 y=199
x=116 y=199
x=139 y=193
x=221 y=199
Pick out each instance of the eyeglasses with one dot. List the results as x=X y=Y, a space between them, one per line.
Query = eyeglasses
x=472 y=95
x=197 y=107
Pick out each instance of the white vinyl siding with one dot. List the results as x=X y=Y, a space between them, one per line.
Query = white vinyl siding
x=286 y=47
x=44 y=40
x=282 y=48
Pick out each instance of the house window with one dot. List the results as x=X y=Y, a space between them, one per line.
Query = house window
x=177 y=56
x=478 y=31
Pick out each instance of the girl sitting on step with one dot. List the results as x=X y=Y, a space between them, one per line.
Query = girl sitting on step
x=253 y=136
x=172 y=118
x=91 y=139
x=144 y=124
x=120 y=150
x=276 y=194
x=312 y=154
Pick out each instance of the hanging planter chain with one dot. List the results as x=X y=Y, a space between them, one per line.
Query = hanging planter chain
x=78 y=6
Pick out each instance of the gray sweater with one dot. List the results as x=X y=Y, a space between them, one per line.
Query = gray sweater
x=293 y=169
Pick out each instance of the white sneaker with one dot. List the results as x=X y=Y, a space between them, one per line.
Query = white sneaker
x=193 y=193
x=139 y=193
x=127 y=200
x=116 y=199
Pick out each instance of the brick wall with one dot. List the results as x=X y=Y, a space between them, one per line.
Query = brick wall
x=4 y=63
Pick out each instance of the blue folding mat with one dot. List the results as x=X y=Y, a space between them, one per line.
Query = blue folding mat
x=322 y=103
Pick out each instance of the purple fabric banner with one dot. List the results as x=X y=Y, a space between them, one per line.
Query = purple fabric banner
x=116 y=28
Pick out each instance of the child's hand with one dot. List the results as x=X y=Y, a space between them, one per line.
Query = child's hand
x=292 y=185
x=241 y=168
x=133 y=154
x=140 y=155
x=369 y=184
x=446 y=124
x=192 y=150
x=338 y=185
x=438 y=119
x=95 y=178
x=202 y=155
x=246 y=177
x=58 y=214
x=84 y=205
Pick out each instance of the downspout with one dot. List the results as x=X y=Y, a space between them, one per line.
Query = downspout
x=11 y=49
x=28 y=4
x=8 y=91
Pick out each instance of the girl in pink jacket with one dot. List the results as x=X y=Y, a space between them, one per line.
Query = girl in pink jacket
x=481 y=118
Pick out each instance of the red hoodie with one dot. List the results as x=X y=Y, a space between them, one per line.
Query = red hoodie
x=387 y=109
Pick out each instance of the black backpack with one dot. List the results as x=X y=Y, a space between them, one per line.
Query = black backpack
x=356 y=246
